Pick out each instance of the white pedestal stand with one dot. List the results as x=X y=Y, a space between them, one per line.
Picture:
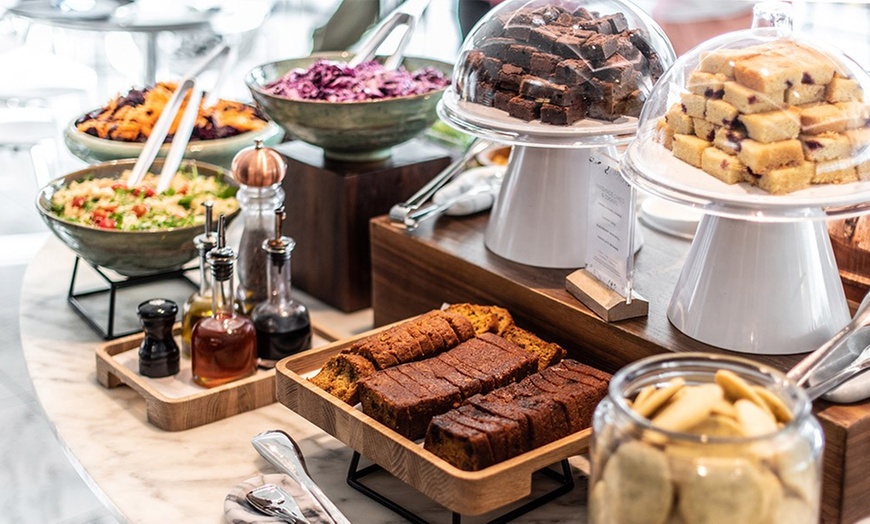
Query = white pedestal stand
x=754 y=287
x=540 y=215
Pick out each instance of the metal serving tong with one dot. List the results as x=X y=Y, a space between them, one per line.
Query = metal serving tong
x=282 y=451
x=804 y=369
x=409 y=213
x=405 y=17
x=185 y=126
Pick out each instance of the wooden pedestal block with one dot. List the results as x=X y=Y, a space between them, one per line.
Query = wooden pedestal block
x=446 y=261
x=329 y=205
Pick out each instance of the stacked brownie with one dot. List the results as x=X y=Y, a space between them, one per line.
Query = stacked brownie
x=780 y=115
x=406 y=397
x=507 y=422
x=560 y=66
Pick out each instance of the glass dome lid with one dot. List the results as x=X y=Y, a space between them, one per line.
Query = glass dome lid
x=557 y=68
x=759 y=121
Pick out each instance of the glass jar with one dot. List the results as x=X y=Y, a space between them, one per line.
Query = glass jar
x=644 y=474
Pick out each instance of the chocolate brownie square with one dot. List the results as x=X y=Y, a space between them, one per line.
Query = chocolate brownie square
x=569 y=46
x=520 y=33
x=509 y=77
x=523 y=108
x=615 y=69
x=543 y=38
x=520 y=55
x=474 y=60
x=573 y=72
x=562 y=116
x=502 y=98
x=563 y=95
x=617 y=22
x=548 y=14
x=640 y=41
x=544 y=64
x=564 y=20
x=600 y=89
x=599 y=25
x=484 y=93
x=534 y=87
x=496 y=47
x=490 y=68
x=599 y=47
x=655 y=67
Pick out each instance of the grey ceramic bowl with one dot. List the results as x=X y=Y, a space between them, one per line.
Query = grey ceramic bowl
x=364 y=130
x=219 y=151
x=130 y=253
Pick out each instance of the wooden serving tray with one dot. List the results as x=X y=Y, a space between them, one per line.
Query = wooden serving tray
x=176 y=403
x=465 y=492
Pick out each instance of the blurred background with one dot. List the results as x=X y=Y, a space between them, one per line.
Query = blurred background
x=52 y=71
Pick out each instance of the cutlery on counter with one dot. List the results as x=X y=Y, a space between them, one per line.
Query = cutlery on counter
x=282 y=452
x=272 y=500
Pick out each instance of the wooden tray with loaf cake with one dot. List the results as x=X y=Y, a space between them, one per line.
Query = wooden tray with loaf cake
x=460 y=403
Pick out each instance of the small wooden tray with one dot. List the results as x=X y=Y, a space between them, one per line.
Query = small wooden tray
x=176 y=403
x=465 y=492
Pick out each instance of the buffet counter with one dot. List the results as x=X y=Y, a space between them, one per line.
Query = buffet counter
x=144 y=474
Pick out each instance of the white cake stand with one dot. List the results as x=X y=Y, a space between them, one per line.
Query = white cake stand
x=760 y=276
x=540 y=216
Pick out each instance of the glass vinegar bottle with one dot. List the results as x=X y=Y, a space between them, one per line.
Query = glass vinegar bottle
x=198 y=305
x=283 y=325
x=224 y=345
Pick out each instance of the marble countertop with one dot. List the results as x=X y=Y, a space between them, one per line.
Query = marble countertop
x=144 y=474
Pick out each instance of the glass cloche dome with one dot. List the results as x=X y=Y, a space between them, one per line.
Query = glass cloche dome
x=557 y=67
x=760 y=120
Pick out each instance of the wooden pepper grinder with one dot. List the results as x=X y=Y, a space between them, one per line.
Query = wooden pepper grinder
x=259 y=170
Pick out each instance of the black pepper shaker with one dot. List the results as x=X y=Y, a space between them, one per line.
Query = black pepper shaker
x=158 y=353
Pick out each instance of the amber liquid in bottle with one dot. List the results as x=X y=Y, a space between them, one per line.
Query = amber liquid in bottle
x=224 y=345
x=199 y=305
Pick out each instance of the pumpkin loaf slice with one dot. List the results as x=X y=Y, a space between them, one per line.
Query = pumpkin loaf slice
x=548 y=353
x=340 y=376
x=482 y=318
x=465 y=447
x=463 y=327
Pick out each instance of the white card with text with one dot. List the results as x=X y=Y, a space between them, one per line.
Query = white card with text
x=610 y=241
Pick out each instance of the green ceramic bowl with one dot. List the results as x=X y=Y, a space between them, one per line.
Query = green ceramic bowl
x=219 y=151
x=130 y=253
x=364 y=130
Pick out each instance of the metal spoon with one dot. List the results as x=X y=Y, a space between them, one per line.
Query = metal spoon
x=274 y=501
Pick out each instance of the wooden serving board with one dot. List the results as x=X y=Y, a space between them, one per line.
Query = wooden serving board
x=464 y=492
x=176 y=403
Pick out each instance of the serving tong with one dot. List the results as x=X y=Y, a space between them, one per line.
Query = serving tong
x=409 y=212
x=403 y=17
x=282 y=452
x=185 y=126
x=804 y=370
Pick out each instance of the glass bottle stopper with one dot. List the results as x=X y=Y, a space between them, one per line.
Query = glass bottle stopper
x=221 y=258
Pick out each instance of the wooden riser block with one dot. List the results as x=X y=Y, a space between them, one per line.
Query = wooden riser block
x=446 y=261
x=329 y=205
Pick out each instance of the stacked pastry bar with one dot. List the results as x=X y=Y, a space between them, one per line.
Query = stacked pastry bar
x=780 y=116
x=560 y=66
x=405 y=398
x=540 y=409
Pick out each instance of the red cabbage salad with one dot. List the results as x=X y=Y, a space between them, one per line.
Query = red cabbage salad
x=331 y=81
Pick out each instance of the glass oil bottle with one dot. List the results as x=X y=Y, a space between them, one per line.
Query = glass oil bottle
x=224 y=345
x=283 y=325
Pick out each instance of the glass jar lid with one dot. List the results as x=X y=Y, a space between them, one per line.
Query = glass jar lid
x=758 y=122
x=555 y=70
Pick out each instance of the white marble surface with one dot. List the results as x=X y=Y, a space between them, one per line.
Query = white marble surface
x=148 y=475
